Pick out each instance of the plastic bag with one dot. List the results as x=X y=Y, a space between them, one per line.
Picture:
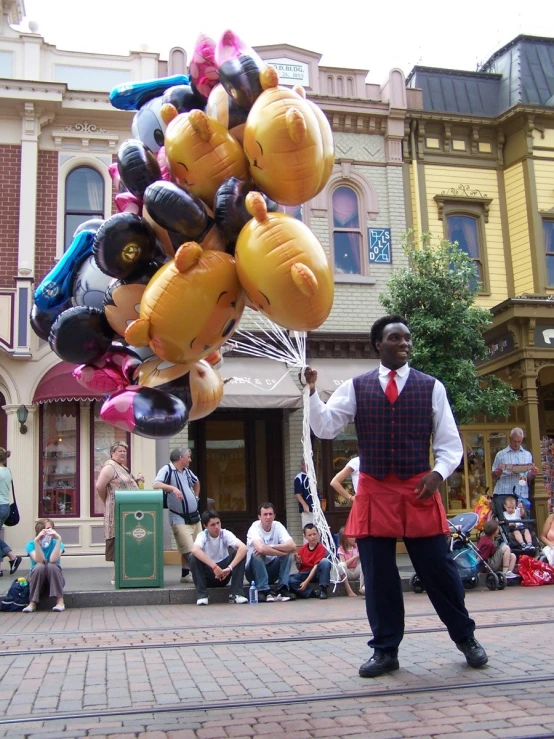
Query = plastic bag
x=534 y=573
x=484 y=510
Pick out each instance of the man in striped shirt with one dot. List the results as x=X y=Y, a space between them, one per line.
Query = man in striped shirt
x=508 y=480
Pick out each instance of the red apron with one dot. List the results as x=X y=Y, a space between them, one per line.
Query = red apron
x=390 y=508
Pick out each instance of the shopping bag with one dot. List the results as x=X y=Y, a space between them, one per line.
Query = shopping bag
x=534 y=573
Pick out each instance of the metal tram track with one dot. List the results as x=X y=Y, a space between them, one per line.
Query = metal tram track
x=234 y=704
x=145 y=629
x=74 y=649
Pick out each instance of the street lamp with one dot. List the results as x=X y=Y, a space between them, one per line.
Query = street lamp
x=22 y=415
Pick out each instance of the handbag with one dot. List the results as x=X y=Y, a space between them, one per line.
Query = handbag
x=13 y=518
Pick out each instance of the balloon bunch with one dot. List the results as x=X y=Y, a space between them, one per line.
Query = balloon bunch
x=143 y=301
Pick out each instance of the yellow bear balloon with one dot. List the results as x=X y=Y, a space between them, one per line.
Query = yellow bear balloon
x=190 y=307
x=283 y=268
x=288 y=143
x=200 y=152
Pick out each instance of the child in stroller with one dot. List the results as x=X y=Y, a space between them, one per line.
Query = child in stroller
x=467 y=557
x=500 y=513
x=513 y=513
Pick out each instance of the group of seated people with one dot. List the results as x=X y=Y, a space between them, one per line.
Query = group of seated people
x=219 y=557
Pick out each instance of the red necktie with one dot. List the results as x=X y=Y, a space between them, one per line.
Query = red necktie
x=391 y=391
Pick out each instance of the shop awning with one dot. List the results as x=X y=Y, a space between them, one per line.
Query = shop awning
x=258 y=383
x=331 y=373
x=59 y=384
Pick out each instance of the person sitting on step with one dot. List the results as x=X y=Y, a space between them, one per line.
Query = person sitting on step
x=217 y=556
x=313 y=566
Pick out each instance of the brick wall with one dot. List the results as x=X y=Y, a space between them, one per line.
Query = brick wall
x=47 y=204
x=10 y=172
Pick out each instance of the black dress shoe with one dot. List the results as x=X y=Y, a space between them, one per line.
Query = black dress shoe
x=379 y=664
x=473 y=652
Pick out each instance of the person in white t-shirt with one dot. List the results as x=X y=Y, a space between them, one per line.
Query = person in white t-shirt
x=217 y=556
x=352 y=470
x=270 y=556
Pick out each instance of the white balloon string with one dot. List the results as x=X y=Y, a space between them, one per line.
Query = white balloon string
x=273 y=342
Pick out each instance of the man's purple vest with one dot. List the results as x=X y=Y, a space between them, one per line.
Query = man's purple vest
x=394 y=438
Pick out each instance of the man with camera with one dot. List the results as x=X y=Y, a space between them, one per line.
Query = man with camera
x=182 y=488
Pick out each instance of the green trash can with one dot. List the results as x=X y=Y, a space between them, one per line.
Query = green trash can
x=139 y=539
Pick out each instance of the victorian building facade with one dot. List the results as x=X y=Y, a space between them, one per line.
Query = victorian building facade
x=58 y=137
x=479 y=168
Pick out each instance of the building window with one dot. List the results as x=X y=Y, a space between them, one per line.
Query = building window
x=464 y=230
x=84 y=199
x=548 y=227
x=464 y=212
x=473 y=478
x=102 y=436
x=296 y=211
x=347 y=234
x=59 y=474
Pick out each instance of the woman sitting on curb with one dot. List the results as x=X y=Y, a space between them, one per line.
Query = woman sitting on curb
x=45 y=551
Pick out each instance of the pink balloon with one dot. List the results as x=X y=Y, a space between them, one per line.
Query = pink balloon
x=126 y=202
x=202 y=68
x=231 y=46
x=105 y=380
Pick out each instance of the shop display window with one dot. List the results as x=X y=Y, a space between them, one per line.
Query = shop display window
x=473 y=477
x=344 y=447
x=226 y=464
x=102 y=436
x=59 y=440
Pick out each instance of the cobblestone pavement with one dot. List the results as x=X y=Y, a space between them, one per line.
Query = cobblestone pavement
x=228 y=680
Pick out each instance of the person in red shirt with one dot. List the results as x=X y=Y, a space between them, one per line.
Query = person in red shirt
x=498 y=557
x=313 y=566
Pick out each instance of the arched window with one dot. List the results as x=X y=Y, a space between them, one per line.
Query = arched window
x=84 y=199
x=465 y=230
x=347 y=234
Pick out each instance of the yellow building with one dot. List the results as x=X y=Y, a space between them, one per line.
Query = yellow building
x=479 y=170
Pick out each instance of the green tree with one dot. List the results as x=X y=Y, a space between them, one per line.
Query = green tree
x=436 y=294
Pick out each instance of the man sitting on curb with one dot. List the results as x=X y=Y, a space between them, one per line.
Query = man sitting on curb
x=270 y=549
x=313 y=566
x=217 y=556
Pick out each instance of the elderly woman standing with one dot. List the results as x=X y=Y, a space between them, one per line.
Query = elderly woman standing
x=114 y=475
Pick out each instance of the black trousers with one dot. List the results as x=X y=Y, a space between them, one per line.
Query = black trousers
x=204 y=577
x=383 y=588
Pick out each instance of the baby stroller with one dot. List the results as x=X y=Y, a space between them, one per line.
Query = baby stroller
x=467 y=557
x=498 y=514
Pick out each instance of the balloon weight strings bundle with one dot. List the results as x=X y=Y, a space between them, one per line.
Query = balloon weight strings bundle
x=270 y=341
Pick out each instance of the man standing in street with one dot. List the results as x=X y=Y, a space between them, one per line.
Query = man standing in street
x=217 y=556
x=182 y=488
x=270 y=555
x=398 y=411
x=303 y=495
x=509 y=479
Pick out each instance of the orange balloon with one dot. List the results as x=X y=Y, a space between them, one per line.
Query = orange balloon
x=201 y=153
x=190 y=307
x=288 y=143
x=283 y=268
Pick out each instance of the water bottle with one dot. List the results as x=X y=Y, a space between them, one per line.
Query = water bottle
x=253 y=593
x=46 y=541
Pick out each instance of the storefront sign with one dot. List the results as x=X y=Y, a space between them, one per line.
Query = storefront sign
x=290 y=71
x=499 y=346
x=544 y=336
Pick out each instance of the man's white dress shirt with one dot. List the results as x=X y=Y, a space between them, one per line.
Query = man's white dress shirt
x=328 y=419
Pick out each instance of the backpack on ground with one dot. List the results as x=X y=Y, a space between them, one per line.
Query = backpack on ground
x=17 y=597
